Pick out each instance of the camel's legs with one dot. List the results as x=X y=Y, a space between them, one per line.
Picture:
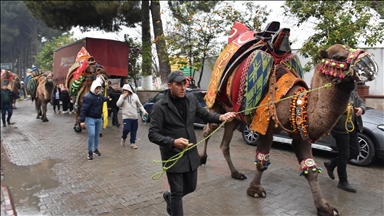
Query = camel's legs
x=303 y=151
x=264 y=144
x=44 y=109
x=229 y=128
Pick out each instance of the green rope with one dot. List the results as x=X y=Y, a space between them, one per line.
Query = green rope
x=175 y=158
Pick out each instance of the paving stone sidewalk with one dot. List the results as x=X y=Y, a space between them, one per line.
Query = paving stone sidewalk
x=119 y=182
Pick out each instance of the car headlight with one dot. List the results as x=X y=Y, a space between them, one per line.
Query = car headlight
x=381 y=127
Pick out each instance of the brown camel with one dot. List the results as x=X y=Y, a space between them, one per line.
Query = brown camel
x=44 y=91
x=305 y=114
x=81 y=85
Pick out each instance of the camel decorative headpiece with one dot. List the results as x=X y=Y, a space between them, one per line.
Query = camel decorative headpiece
x=359 y=64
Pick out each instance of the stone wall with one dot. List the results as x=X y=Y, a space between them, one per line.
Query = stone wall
x=375 y=101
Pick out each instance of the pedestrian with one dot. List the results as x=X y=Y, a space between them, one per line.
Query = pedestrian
x=347 y=142
x=6 y=97
x=65 y=98
x=114 y=94
x=91 y=115
x=171 y=127
x=22 y=90
x=56 y=98
x=131 y=105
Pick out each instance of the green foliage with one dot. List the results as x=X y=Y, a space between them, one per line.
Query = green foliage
x=21 y=35
x=45 y=57
x=134 y=66
x=99 y=15
x=336 y=22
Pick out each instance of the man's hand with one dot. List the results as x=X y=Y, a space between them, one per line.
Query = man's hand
x=229 y=116
x=82 y=124
x=359 y=111
x=125 y=94
x=182 y=143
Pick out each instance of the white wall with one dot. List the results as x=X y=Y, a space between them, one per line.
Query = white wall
x=376 y=86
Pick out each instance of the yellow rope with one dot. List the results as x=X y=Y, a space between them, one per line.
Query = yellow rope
x=349 y=118
x=177 y=156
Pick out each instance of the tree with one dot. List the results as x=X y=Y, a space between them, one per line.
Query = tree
x=197 y=26
x=162 y=54
x=99 y=15
x=134 y=66
x=21 y=35
x=344 y=22
x=45 y=57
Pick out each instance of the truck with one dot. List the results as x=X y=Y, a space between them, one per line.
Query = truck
x=111 y=54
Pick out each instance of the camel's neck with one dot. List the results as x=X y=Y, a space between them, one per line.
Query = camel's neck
x=325 y=106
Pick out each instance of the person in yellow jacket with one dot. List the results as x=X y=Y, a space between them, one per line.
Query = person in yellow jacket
x=130 y=104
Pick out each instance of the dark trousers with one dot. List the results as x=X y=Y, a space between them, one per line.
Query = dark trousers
x=348 y=148
x=181 y=184
x=65 y=101
x=130 y=126
x=56 y=102
x=6 y=109
x=113 y=112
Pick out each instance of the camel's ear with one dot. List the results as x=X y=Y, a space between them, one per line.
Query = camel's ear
x=322 y=53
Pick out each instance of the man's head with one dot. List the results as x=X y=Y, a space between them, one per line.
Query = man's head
x=177 y=84
x=4 y=84
x=115 y=87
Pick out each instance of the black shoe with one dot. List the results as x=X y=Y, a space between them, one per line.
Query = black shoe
x=101 y=135
x=4 y=125
x=167 y=198
x=329 y=168
x=117 y=124
x=11 y=123
x=346 y=186
x=96 y=152
x=90 y=155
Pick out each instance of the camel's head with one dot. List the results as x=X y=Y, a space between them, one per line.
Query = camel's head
x=341 y=61
x=13 y=80
x=48 y=76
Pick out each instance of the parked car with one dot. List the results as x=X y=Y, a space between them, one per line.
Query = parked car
x=371 y=140
x=199 y=94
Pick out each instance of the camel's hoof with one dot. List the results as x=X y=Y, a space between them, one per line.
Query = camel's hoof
x=203 y=160
x=327 y=211
x=237 y=175
x=45 y=120
x=256 y=192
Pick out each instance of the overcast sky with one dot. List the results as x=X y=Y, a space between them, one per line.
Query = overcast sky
x=297 y=35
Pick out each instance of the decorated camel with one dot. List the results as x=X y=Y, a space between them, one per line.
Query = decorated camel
x=258 y=76
x=79 y=80
x=13 y=81
x=40 y=87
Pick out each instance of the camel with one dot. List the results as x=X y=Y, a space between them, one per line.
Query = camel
x=14 y=82
x=288 y=104
x=79 y=80
x=40 y=87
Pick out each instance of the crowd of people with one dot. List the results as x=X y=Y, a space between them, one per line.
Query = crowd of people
x=171 y=128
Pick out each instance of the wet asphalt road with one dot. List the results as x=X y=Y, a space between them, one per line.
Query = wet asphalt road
x=45 y=168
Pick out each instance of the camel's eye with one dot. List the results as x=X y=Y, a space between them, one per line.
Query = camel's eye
x=338 y=57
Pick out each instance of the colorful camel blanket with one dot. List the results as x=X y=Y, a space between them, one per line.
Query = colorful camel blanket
x=261 y=117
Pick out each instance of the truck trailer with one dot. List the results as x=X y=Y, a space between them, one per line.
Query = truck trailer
x=111 y=54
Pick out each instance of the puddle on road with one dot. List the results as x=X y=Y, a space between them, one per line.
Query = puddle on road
x=24 y=181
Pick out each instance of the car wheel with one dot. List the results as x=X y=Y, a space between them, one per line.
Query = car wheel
x=249 y=136
x=367 y=151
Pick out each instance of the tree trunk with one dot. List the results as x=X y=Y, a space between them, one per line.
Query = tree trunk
x=162 y=53
x=146 y=39
x=201 y=73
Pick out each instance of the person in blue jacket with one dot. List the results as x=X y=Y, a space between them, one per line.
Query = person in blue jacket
x=7 y=97
x=91 y=114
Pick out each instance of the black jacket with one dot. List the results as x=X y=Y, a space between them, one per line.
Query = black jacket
x=12 y=96
x=92 y=106
x=114 y=95
x=167 y=125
